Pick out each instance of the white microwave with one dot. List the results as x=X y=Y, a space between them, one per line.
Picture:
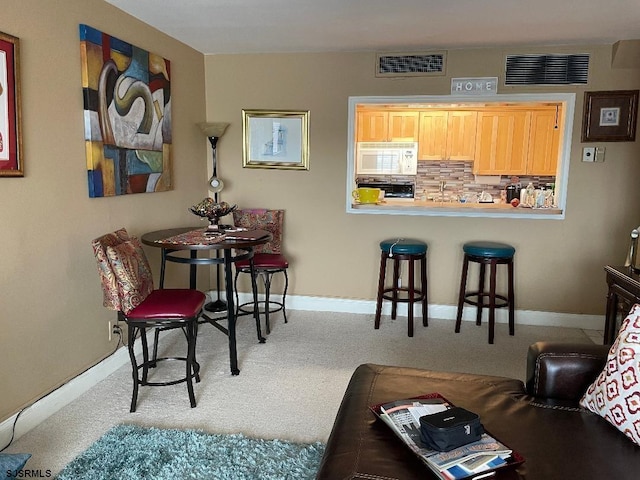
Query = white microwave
x=387 y=158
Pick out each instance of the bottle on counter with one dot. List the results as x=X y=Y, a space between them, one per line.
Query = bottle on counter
x=528 y=196
x=540 y=196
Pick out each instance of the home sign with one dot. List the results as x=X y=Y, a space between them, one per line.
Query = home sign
x=474 y=86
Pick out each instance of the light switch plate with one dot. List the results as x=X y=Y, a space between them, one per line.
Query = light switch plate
x=599 y=154
x=589 y=154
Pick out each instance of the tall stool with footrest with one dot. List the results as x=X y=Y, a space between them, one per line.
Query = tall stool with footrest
x=412 y=251
x=127 y=285
x=492 y=254
x=267 y=261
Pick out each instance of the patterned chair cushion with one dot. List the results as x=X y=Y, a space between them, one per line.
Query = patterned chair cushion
x=111 y=300
x=262 y=219
x=132 y=272
x=615 y=394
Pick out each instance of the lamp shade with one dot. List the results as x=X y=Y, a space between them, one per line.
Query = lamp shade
x=213 y=129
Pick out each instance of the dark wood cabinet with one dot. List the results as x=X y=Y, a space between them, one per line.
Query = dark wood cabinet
x=624 y=292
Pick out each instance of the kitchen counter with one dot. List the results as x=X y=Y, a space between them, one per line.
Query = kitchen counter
x=429 y=207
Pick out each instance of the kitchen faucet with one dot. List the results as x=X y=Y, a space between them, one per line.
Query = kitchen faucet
x=443 y=184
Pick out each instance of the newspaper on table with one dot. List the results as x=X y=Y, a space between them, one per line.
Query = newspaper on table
x=485 y=455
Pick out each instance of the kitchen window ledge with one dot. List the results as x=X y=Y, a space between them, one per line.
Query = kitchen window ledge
x=449 y=209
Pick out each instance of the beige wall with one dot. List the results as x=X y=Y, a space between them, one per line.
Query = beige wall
x=51 y=316
x=559 y=264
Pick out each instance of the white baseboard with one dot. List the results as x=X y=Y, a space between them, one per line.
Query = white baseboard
x=42 y=409
x=47 y=406
x=444 y=312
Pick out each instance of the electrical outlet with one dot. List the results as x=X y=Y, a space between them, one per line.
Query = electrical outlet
x=110 y=330
x=589 y=154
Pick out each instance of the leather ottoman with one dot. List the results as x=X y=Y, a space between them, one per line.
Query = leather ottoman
x=557 y=440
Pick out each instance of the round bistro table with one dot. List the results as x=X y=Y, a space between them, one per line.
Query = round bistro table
x=172 y=241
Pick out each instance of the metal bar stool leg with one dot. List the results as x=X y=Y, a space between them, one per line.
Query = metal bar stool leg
x=284 y=296
x=191 y=347
x=145 y=353
x=266 y=278
x=156 y=340
x=256 y=306
x=134 y=366
x=196 y=365
x=235 y=289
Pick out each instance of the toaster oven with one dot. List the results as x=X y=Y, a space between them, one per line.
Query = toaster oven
x=392 y=190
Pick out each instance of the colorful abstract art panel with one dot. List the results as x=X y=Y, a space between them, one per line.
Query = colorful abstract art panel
x=127 y=116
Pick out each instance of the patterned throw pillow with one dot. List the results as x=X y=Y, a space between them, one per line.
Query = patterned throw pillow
x=133 y=273
x=615 y=394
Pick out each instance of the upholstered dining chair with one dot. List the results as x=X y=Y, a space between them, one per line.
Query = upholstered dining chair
x=127 y=285
x=268 y=260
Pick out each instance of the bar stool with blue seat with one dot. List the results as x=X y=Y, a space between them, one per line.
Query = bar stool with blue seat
x=492 y=254
x=412 y=251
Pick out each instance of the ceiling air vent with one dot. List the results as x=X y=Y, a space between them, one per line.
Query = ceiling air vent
x=552 y=69
x=410 y=64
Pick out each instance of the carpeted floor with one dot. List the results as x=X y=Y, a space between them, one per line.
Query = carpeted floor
x=289 y=388
x=129 y=452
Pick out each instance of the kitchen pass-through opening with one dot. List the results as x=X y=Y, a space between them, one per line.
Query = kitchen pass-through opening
x=461 y=156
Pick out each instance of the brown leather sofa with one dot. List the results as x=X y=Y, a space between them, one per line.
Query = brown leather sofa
x=540 y=419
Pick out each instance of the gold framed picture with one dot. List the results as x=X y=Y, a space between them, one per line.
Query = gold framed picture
x=275 y=139
x=11 y=161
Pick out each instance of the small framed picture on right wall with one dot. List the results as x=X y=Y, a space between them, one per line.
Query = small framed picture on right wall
x=610 y=116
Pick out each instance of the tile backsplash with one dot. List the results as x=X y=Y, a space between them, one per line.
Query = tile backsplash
x=459 y=179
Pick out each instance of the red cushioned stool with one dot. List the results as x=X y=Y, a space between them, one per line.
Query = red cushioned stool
x=127 y=285
x=268 y=260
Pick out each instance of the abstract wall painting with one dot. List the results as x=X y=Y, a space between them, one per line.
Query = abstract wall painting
x=11 y=162
x=127 y=116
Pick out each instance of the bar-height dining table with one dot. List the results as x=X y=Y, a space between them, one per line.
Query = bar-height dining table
x=172 y=241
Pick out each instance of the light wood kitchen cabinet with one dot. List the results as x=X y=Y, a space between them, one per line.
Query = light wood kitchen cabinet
x=387 y=126
x=447 y=135
x=432 y=140
x=403 y=126
x=544 y=141
x=373 y=126
x=502 y=142
x=461 y=135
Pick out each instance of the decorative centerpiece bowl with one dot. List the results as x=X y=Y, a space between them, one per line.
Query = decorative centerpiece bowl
x=211 y=210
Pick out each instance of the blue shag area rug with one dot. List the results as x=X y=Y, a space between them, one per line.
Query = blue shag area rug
x=132 y=452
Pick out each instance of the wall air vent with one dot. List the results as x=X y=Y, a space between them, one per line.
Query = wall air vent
x=410 y=64
x=554 y=69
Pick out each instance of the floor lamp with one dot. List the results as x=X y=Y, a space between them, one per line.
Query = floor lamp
x=214 y=131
